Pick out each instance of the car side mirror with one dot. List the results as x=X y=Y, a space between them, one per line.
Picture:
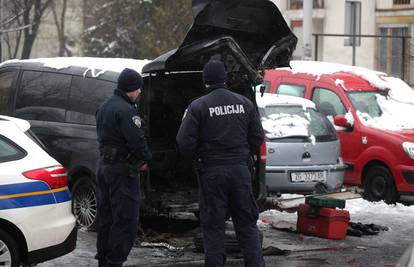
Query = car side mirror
x=340 y=120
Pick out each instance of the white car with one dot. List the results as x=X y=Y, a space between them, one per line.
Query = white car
x=36 y=222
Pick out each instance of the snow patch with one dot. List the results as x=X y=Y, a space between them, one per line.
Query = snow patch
x=96 y=66
x=349 y=118
x=341 y=83
x=281 y=125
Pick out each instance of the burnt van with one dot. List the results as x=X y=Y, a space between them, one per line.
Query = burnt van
x=60 y=101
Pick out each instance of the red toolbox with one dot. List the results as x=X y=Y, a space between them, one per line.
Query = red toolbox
x=323 y=222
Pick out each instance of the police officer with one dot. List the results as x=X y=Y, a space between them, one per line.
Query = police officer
x=124 y=152
x=222 y=129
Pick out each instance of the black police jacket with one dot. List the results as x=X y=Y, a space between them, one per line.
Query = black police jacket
x=119 y=126
x=220 y=127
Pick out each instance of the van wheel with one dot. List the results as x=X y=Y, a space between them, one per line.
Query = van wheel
x=84 y=201
x=379 y=185
x=9 y=251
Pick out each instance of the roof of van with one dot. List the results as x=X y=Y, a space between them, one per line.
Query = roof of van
x=351 y=78
x=93 y=66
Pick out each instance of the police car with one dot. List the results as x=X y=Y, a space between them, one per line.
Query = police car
x=36 y=223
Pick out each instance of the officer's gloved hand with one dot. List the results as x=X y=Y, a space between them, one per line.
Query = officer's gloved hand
x=143 y=167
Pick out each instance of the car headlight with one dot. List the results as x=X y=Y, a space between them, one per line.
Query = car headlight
x=409 y=149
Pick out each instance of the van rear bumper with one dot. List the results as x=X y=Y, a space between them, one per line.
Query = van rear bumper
x=56 y=251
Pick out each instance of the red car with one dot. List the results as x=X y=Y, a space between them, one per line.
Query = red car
x=372 y=114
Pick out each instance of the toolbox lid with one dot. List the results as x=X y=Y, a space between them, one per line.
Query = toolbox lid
x=325 y=202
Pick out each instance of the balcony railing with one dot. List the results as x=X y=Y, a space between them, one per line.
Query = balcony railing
x=395 y=4
x=298 y=4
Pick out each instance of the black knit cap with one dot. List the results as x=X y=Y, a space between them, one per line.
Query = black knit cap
x=129 y=80
x=214 y=72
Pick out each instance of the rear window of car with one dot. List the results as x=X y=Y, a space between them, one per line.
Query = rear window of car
x=9 y=151
x=293 y=123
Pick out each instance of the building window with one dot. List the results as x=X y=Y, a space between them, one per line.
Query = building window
x=298 y=4
x=391 y=57
x=353 y=22
x=401 y=2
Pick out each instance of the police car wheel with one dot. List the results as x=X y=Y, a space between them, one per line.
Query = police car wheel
x=9 y=250
x=84 y=202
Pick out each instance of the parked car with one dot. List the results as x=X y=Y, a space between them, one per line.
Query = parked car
x=371 y=113
x=60 y=96
x=36 y=222
x=302 y=147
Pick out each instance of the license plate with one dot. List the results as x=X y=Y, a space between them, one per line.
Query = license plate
x=298 y=177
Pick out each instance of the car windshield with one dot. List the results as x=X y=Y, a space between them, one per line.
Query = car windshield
x=287 y=121
x=366 y=102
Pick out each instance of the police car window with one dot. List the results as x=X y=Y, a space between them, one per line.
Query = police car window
x=6 y=80
x=86 y=95
x=10 y=151
x=42 y=96
x=291 y=89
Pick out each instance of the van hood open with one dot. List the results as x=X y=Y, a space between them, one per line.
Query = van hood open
x=248 y=35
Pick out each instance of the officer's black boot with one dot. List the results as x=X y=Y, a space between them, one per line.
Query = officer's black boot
x=102 y=263
x=114 y=264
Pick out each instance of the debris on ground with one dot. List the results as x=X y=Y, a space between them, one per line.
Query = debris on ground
x=274 y=251
x=359 y=229
x=284 y=226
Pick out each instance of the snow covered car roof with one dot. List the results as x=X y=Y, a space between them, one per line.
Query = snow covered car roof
x=276 y=99
x=352 y=78
x=96 y=66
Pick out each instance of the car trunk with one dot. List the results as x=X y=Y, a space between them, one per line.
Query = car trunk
x=305 y=152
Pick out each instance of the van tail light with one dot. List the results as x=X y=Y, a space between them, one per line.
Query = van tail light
x=55 y=177
x=263 y=152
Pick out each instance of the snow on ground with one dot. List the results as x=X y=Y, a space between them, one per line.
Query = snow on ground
x=360 y=211
x=96 y=66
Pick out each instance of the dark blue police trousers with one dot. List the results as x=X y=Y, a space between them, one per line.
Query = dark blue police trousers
x=118 y=197
x=227 y=189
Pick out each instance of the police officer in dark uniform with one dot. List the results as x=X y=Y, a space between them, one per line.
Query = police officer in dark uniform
x=222 y=129
x=124 y=152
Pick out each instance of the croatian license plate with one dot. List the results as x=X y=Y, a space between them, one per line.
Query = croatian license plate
x=298 y=177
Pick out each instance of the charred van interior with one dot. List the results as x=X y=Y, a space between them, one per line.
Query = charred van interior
x=173 y=186
x=248 y=36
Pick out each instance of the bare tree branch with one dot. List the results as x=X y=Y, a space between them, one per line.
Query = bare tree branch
x=15 y=29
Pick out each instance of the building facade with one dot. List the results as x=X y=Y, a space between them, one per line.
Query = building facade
x=372 y=19
x=46 y=43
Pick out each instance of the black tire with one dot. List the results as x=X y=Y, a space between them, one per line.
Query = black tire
x=379 y=185
x=9 y=250
x=84 y=203
x=230 y=242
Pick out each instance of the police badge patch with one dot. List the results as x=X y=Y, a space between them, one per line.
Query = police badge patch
x=137 y=121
